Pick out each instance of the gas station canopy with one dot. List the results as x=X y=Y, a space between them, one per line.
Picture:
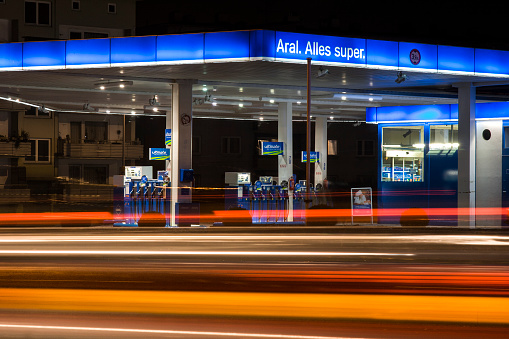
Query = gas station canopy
x=242 y=74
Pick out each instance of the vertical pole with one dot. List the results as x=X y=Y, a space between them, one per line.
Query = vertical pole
x=321 y=146
x=122 y=167
x=308 y=130
x=181 y=150
x=466 y=154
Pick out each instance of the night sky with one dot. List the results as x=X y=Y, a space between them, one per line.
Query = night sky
x=466 y=24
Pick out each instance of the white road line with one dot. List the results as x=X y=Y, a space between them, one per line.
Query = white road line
x=145 y=331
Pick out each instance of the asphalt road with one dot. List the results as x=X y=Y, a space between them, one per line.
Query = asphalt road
x=201 y=283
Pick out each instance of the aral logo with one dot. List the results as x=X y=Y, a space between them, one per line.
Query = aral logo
x=415 y=56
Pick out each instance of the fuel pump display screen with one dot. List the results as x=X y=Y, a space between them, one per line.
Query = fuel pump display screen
x=133 y=172
x=243 y=178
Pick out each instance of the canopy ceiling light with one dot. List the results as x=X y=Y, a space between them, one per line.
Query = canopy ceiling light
x=113 y=84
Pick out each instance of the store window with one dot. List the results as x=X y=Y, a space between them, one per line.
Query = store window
x=443 y=138
x=40 y=151
x=38 y=12
x=402 y=153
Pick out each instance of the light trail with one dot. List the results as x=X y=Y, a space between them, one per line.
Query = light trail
x=147 y=331
x=225 y=253
x=443 y=239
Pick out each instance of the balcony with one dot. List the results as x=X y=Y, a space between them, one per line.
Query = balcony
x=15 y=149
x=99 y=150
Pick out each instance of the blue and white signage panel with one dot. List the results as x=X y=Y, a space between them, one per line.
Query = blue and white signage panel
x=262 y=44
x=159 y=154
x=272 y=148
x=11 y=55
x=382 y=53
x=409 y=113
x=181 y=47
x=315 y=156
x=227 y=45
x=320 y=48
x=133 y=50
x=88 y=52
x=456 y=59
x=47 y=54
x=491 y=62
x=420 y=56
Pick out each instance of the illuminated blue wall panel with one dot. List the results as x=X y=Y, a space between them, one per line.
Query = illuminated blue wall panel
x=44 y=54
x=180 y=47
x=428 y=54
x=11 y=55
x=227 y=45
x=382 y=53
x=88 y=52
x=133 y=50
x=492 y=110
x=490 y=61
x=320 y=48
x=409 y=113
x=262 y=44
x=456 y=59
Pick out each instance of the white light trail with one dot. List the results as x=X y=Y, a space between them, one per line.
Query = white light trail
x=225 y=253
x=146 y=331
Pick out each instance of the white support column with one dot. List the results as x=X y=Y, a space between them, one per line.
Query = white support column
x=285 y=162
x=181 y=145
x=284 y=134
x=321 y=146
x=466 y=154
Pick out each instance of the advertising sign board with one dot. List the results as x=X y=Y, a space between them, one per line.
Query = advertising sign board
x=159 y=154
x=272 y=148
x=315 y=156
x=361 y=199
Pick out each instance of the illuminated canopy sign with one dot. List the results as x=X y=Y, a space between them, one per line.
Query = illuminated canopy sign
x=252 y=45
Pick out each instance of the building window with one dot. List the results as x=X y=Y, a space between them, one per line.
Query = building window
x=38 y=13
x=332 y=147
x=95 y=174
x=86 y=35
x=96 y=131
x=75 y=5
x=40 y=151
x=230 y=145
x=365 y=148
x=36 y=112
x=112 y=8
